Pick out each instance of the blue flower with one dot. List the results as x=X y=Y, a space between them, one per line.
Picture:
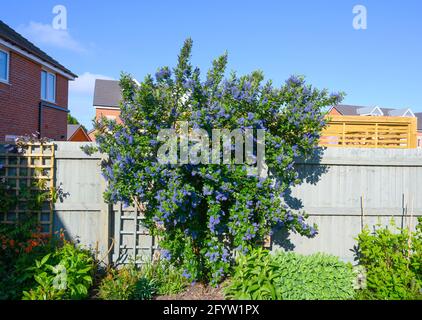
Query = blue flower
x=186 y=274
x=166 y=254
x=162 y=74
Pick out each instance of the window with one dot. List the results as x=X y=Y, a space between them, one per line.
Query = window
x=48 y=86
x=4 y=66
x=10 y=138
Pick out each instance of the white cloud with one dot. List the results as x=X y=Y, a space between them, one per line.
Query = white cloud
x=81 y=92
x=45 y=34
x=85 y=83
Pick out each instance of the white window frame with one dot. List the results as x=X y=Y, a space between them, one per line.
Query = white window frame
x=10 y=138
x=7 y=66
x=46 y=84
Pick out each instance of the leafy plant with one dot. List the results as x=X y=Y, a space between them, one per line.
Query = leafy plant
x=392 y=258
x=144 y=289
x=168 y=278
x=64 y=274
x=120 y=284
x=20 y=247
x=205 y=213
x=289 y=276
x=315 y=277
x=253 y=278
x=133 y=283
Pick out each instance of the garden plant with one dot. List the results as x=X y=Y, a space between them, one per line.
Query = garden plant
x=392 y=259
x=204 y=213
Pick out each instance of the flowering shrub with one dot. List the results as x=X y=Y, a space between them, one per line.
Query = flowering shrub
x=204 y=213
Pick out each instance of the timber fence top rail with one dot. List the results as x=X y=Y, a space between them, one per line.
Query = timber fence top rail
x=366 y=157
x=325 y=156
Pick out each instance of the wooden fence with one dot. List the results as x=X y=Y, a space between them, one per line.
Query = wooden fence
x=370 y=132
x=344 y=189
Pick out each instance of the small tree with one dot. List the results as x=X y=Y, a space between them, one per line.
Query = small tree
x=204 y=213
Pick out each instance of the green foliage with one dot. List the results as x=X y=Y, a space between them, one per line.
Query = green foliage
x=144 y=289
x=132 y=283
x=73 y=120
x=254 y=277
x=120 y=284
x=8 y=198
x=314 y=277
x=168 y=278
x=392 y=258
x=66 y=273
x=20 y=248
x=289 y=276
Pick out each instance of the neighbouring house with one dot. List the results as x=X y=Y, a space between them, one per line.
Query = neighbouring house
x=419 y=116
x=107 y=97
x=350 y=110
x=33 y=89
x=77 y=133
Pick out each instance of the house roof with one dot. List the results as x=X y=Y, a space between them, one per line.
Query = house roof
x=352 y=110
x=11 y=36
x=71 y=129
x=419 y=116
x=107 y=93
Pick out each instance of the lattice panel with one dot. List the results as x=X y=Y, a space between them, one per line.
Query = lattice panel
x=133 y=242
x=22 y=170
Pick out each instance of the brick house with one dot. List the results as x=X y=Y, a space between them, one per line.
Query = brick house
x=33 y=89
x=107 y=97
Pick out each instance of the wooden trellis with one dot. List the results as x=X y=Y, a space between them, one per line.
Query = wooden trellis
x=132 y=240
x=20 y=171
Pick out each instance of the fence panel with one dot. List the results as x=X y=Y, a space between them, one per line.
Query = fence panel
x=344 y=190
x=370 y=132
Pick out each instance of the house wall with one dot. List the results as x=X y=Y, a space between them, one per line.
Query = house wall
x=114 y=113
x=20 y=99
x=334 y=112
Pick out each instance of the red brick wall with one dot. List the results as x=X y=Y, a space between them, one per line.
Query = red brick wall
x=20 y=98
x=334 y=112
x=107 y=112
x=53 y=121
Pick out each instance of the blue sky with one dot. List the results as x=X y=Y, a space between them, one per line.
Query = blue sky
x=381 y=65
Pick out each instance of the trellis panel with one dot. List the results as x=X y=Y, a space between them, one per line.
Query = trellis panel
x=19 y=171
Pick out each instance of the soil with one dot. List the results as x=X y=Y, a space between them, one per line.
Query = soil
x=197 y=291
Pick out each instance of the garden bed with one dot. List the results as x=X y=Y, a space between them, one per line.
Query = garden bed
x=196 y=292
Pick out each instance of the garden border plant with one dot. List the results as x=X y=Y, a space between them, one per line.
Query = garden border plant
x=203 y=214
